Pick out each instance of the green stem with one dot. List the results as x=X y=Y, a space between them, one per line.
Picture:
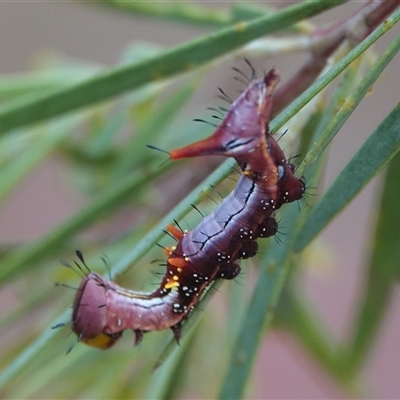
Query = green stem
x=177 y=60
x=322 y=82
x=294 y=314
x=331 y=204
x=383 y=268
x=16 y=262
x=259 y=312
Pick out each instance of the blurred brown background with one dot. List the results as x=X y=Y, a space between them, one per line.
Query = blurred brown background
x=28 y=30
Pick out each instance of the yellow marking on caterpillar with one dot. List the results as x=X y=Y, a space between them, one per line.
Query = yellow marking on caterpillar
x=171 y=285
x=101 y=341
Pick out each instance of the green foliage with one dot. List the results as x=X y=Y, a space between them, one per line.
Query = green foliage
x=38 y=117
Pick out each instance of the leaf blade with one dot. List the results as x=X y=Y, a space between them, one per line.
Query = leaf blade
x=178 y=59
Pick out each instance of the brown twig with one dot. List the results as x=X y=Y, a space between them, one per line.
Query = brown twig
x=325 y=41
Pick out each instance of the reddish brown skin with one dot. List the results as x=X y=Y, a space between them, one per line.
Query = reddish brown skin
x=89 y=315
x=211 y=250
x=90 y=310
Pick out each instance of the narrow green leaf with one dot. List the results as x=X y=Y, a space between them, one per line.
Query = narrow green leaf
x=19 y=84
x=297 y=315
x=156 y=232
x=40 y=145
x=156 y=122
x=323 y=81
x=375 y=153
x=23 y=257
x=325 y=210
x=109 y=200
x=29 y=352
x=185 y=12
x=176 y=60
x=164 y=379
x=259 y=312
x=193 y=13
x=384 y=265
x=269 y=285
x=129 y=258
x=123 y=265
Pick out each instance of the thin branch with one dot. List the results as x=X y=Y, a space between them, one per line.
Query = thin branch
x=324 y=42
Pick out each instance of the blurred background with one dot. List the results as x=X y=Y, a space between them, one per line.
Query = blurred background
x=35 y=33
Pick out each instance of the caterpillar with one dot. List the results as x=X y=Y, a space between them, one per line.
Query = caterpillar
x=103 y=310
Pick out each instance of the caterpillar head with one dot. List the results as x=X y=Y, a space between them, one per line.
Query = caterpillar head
x=90 y=313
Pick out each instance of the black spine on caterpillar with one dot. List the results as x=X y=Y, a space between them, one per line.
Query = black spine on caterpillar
x=103 y=310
